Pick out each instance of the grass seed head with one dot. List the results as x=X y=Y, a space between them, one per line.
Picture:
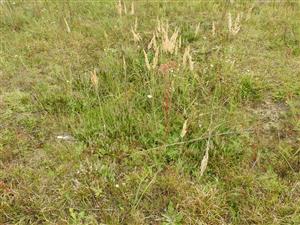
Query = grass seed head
x=204 y=162
x=155 y=59
x=197 y=29
x=213 y=29
x=191 y=63
x=136 y=36
x=135 y=24
x=152 y=43
x=119 y=8
x=94 y=79
x=125 y=8
x=146 y=60
x=132 y=9
x=235 y=27
x=229 y=22
x=184 y=129
x=185 y=56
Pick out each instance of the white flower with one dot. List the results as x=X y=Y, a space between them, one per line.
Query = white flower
x=149 y=96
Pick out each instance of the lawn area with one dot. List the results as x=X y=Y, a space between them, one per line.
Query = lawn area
x=150 y=112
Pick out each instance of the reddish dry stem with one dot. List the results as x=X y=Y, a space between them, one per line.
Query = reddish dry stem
x=167 y=104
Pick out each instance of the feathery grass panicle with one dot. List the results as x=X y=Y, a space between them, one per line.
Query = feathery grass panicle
x=179 y=42
x=146 y=60
x=155 y=59
x=94 y=79
x=249 y=12
x=185 y=56
x=213 y=28
x=204 y=161
x=119 y=8
x=191 y=63
x=197 y=29
x=169 y=44
x=136 y=36
x=229 y=22
x=132 y=9
x=235 y=27
x=184 y=129
x=152 y=43
x=176 y=49
x=124 y=8
x=187 y=59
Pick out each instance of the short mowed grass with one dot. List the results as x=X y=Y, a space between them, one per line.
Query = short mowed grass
x=126 y=161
